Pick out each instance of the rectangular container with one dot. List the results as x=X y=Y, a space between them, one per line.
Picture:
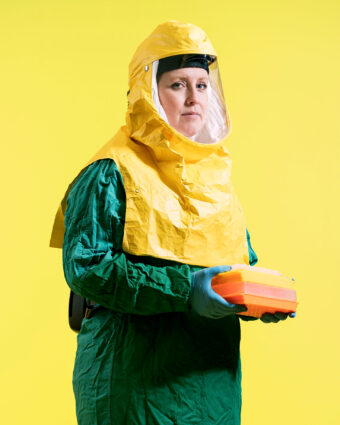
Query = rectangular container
x=260 y=292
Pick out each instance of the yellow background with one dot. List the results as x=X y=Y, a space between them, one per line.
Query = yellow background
x=63 y=94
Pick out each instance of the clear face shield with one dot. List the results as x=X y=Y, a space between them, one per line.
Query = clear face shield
x=217 y=124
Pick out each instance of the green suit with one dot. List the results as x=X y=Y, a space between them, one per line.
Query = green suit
x=144 y=358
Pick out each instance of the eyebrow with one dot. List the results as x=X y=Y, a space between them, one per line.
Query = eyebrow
x=187 y=78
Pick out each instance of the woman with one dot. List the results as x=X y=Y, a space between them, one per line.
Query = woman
x=150 y=220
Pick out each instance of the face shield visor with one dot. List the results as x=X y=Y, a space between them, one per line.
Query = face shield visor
x=217 y=123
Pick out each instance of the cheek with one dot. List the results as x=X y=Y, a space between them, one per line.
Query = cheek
x=171 y=107
x=205 y=107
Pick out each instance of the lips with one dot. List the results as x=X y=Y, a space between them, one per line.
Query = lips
x=191 y=114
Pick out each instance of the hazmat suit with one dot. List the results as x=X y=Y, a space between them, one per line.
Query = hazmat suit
x=148 y=210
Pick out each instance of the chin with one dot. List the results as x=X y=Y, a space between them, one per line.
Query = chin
x=190 y=132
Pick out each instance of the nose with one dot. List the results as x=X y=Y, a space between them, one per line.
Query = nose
x=192 y=97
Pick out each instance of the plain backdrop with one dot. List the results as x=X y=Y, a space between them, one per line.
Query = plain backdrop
x=63 y=78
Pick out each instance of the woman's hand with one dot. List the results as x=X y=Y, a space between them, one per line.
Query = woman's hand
x=205 y=301
x=276 y=317
x=270 y=317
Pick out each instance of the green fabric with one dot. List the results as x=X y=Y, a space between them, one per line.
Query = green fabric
x=144 y=358
x=252 y=256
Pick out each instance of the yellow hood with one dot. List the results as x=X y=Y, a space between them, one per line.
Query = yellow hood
x=144 y=120
x=180 y=203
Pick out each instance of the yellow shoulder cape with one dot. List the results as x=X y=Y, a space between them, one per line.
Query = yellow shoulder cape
x=180 y=203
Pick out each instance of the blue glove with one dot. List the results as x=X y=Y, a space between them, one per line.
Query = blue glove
x=205 y=301
x=248 y=318
x=276 y=317
x=269 y=318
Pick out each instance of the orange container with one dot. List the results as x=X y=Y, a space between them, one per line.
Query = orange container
x=260 y=292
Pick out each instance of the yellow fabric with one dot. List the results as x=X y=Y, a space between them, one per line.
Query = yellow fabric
x=180 y=201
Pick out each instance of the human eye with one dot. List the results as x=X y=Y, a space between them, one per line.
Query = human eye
x=202 y=86
x=177 y=85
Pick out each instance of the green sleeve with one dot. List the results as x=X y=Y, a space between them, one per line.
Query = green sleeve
x=95 y=265
x=252 y=256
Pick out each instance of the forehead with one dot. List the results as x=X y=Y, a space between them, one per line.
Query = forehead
x=188 y=73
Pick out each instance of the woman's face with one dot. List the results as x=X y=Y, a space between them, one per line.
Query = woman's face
x=183 y=94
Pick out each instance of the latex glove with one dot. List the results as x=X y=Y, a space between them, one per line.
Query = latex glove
x=276 y=317
x=269 y=318
x=248 y=318
x=205 y=301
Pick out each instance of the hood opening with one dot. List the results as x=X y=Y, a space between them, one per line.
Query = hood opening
x=217 y=125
